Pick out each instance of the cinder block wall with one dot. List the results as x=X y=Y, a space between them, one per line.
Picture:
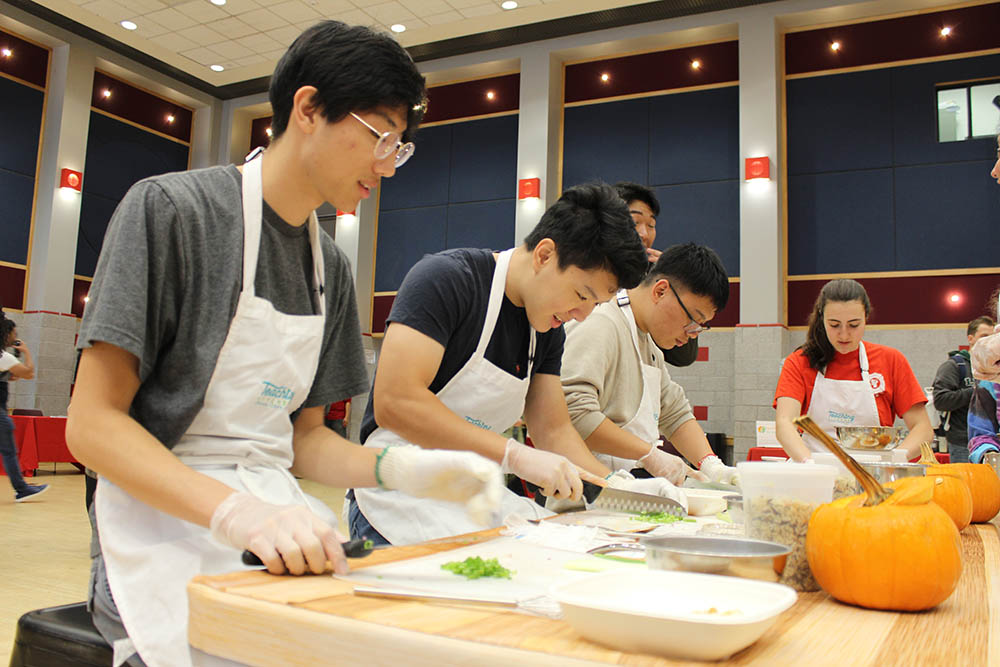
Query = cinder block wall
x=51 y=338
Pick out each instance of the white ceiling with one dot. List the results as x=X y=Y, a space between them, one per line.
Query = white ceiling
x=247 y=37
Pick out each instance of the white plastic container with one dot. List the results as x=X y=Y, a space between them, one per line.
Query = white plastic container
x=778 y=500
x=675 y=614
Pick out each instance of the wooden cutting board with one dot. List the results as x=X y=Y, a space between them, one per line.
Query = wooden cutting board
x=261 y=619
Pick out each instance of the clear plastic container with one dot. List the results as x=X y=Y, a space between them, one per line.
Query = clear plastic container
x=846 y=484
x=778 y=500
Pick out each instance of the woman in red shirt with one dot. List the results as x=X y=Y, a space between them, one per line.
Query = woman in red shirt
x=838 y=380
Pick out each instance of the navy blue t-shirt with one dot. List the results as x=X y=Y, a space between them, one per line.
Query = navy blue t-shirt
x=445 y=296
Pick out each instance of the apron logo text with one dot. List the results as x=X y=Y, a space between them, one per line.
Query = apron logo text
x=275 y=396
x=477 y=422
x=841 y=417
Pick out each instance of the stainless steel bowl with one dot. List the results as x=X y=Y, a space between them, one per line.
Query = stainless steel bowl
x=868 y=437
x=890 y=472
x=732 y=556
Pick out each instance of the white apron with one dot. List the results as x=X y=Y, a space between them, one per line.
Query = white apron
x=242 y=437
x=645 y=424
x=482 y=394
x=844 y=402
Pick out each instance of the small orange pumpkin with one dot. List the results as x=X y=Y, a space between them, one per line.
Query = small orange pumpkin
x=980 y=479
x=952 y=495
x=891 y=549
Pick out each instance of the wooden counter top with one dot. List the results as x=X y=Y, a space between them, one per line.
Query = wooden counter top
x=261 y=619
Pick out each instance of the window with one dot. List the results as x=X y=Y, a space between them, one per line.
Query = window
x=970 y=111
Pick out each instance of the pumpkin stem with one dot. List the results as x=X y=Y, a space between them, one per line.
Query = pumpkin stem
x=927 y=454
x=876 y=492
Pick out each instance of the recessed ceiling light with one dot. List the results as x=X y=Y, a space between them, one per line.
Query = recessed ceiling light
x=397 y=27
x=835 y=46
x=128 y=25
x=216 y=68
x=605 y=77
x=170 y=118
x=106 y=93
x=508 y=4
x=695 y=64
x=490 y=94
x=269 y=131
x=945 y=31
x=218 y=2
x=7 y=53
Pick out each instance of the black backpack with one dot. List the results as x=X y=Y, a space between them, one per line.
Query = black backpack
x=966 y=380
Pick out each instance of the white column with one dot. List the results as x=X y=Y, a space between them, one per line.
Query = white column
x=57 y=214
x=538 y=134
x=761 y=256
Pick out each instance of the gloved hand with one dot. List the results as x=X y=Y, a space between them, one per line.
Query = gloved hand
x=460 y=477
x=986 y=358
x=656 y=486
x=717 y=471
x=557 y=476
x=660 y=464
x=283 y=536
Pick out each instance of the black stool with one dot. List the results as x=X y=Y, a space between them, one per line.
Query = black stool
x=61 y=636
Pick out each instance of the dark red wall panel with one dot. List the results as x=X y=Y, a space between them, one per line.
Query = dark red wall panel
x=907 y=299
x=140 y=107
x=80 y=290
x=889 y=40
x=28 y=62
x=649 y=72
x=12 y=287
x=470 y=98
x=258 y=132
x=730 y=315
x=381 y=305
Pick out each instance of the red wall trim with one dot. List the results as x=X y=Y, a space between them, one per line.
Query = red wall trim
x=381 y=305
x=12 y=286
x=146 y=109
x=700 y=412
x=702 y=354
x=649 y=72
x=893 y=40
x=469 y=98
x=730 y=315
x=28 y=62
x=907 y=299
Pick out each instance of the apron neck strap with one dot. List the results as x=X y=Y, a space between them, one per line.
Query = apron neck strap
x=253 y=209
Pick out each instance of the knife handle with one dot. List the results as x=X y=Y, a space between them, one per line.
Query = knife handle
x=357 y=548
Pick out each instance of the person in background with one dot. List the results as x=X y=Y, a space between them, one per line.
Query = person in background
x=475 y=342
x=221 y=324
x=644 y=208
x=14 y=365
x=839 y=380
x=337 y=417
x=618 y=390
x=953 y=389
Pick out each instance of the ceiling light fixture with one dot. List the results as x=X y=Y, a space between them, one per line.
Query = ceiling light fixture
x=945 y=31
x=490 y=94
x=219 y=2
x=835 y=46
x=106 y=93
x=269 y=131
x=605 y=77
x=128 y=25
x=508 y=4
x=397 y=27
x=7 y=53
x=170 y=118
x=695 y=64
x=216 y=68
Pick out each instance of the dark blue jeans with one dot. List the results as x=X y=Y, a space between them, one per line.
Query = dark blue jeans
x=8 y=452
x=959 y=453
x=359 y=525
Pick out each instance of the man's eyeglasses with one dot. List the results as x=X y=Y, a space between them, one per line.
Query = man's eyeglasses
x=389 y=143
x=692 y=327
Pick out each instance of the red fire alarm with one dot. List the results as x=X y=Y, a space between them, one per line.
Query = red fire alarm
x=71 y=179
x=528 y=188
x=758 y=167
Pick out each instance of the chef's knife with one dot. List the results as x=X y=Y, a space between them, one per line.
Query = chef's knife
x=357 y=548
x=598 y=495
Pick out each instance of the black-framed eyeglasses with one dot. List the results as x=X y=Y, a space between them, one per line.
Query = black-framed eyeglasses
x=694 y=326
x=389 y=143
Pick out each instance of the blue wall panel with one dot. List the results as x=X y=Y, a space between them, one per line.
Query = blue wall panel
x=609 y=142
x=945 y=217
x=839 y=122
x=423 y=181
x=404 y=236
x=840 y=222
x=16 y=191
x=705 y=213
x=694 y=136
x=484 y=160
x=487 y=224
x=21 y=120
x=118 y=155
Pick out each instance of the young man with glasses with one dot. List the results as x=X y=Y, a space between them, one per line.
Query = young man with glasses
x=616 y=383
x=221 y=323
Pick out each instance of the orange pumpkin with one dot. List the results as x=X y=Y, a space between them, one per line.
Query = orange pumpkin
x=981 y=480
x=952 y=495
x=902 y=554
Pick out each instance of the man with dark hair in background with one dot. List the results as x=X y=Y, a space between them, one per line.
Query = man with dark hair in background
x=953 y=389
x=475 y=341
x=644 y=208
x=221 y=323
x=618 y=390
x=14 y=365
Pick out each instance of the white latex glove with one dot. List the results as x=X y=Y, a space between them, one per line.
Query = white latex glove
x=554 y=473
x=460 y=477
x=283 y=536
x=657 y=486
x=717 y=471
x=986 y=358
x=661 y=464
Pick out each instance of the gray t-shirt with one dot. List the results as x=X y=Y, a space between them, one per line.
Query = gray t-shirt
x=168 y=281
